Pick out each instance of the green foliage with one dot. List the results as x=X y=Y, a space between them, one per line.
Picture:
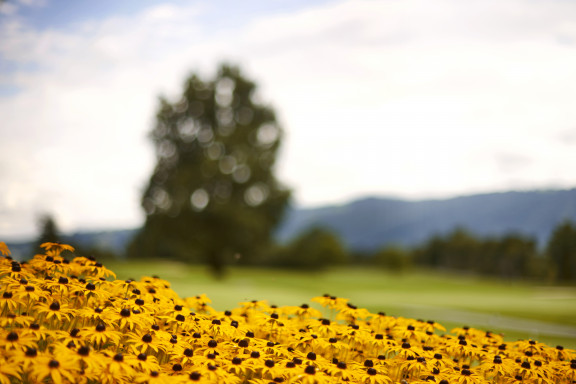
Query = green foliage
x=561 y=252
x=314 y=249
x=509 y=256
x=213 y=196
x=393 y=258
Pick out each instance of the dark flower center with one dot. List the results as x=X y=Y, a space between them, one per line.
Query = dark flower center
x=83 y=351
x=53 y=364
x=310 y=370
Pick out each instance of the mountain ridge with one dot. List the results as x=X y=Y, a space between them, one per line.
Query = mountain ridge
x=370 y=222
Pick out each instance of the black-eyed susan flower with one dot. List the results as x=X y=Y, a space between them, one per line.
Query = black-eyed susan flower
x=99 y=335
x=145 y=363
x=54 y=312
x=4 y=250
x=372 y=376
x=70 y=322
x=58 y=371
x=9 y=303
x=8 y=372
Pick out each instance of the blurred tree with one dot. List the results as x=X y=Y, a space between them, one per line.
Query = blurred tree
x=393 y=257
x=517 y=252
x=561 y=251
x=48 y=232
x=458 y=249
x=213 y=196
x=314 y=249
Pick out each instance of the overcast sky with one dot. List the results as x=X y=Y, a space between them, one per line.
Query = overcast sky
x=411 y=99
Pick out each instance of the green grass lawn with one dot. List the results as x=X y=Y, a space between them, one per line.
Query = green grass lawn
x=519 y=310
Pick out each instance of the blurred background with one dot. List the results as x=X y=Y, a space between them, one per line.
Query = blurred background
x=417 y=157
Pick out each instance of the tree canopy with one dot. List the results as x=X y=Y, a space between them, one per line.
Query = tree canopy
x=213 y=196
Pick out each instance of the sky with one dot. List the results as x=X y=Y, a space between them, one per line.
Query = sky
x=411 y=99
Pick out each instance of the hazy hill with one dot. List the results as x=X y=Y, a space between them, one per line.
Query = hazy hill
x=369 y=223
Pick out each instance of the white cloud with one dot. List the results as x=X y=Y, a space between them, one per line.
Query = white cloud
x=412 y=98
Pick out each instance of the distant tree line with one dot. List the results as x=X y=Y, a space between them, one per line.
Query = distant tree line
x=510 y=256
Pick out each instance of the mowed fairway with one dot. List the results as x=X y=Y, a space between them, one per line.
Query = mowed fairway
x=518 y=310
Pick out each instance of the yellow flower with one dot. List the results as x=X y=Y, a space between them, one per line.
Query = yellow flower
x=16 y=339
x=55 y=249
x=372 y=376
x=154 y=377
x=4 y=250
x=66 y=322
x=56 y=370
x=144 y=342
x=7 y=372
x=469 y=376
x=8 y=302
x=100 y=335
x=331 y=302
x=24 y=358
x=54 y=311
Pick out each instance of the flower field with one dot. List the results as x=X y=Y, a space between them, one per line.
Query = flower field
x=71 y=321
